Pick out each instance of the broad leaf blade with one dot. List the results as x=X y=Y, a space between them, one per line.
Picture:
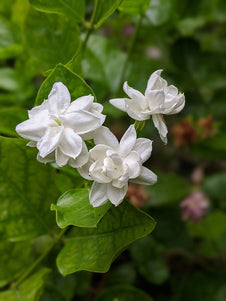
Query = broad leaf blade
x=75 y=84
x=94 y=249
x=30 y=290
x=27 y=190
x=10 y=117
x=134 y=7
x=74 y=10
x=73 y=208
x=105 y=9
x=50 y=39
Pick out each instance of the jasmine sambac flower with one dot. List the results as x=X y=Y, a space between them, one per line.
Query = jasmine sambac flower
x=158 y=99
x=112 y=164
x=58 y=126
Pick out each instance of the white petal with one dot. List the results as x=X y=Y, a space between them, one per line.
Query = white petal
x=36 y=111
x=155 y=100
x=82 y=159
x=116 y=195
x=81 y=103
x=50 y=140
x=98 y=194
x=132 y=93
x=128 y=140
x=119 y=103
x=179 y=103
x=104 y=136
x=61 y=158
x=99 y=152
x=146 y=177
x=81 y=122
x=71 y=143
x=156 y=82
x=59 y=99
x=97 y=173
x=132 y=160
x=84 y=170
x=33 y=128
x=143 y=147
x=31 y=143
x=134 y=110
x=159 y=123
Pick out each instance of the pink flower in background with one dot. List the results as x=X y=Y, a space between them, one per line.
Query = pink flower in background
x=195 y=206
x=128 y=30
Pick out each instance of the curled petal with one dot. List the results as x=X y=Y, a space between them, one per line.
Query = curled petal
x=33 y=128
x=71 y=143
x=133 y=163
x=146 y=177
x=104 y=136
x=81 y=122
x=59 y=99
x=82 y=158
x=99 y=152
x=128 y=140
x=134 y=110
x=61 y=158
x=116 y=195
x=50 y=140
x=81 y=103
x=132 y=93
x=155 y=100
x=119 y=103
x=159 y=123
x=97 y=173
x=49 y=158
x=98 y=194
x=143 y=147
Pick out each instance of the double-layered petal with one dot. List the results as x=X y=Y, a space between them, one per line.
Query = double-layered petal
x=58 y=127
x=158 y=99
x=112 y=164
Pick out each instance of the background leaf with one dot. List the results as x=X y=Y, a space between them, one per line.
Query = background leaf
x=95 y=249
x=27 y=190
x=10 y=117
x=134 y=7
x=123 y=293
x=49 y=38
x=73 y=208
x=104 y=10
x=74 y=10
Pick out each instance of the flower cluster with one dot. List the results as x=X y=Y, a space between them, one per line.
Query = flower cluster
x=59 y=128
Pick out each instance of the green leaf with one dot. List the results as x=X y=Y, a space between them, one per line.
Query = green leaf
x=75 y=84
x=9 y=48
x=30 y=290
x=10 y=117
x=170 y=188
x=50 y=39
x=134 y=7
x=27 y=190
x=103 y=62
x=11 y=267
x=95 y=249
x=155 y=271
x=74 y=10
x=159 y=12
x=73 y=208
x=214 y=186
x=8 y=79
x=123 y=293
x=104 y=10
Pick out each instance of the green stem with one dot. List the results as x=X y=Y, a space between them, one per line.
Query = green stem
x=90 y=26
x=36 y=263
x=131 y=47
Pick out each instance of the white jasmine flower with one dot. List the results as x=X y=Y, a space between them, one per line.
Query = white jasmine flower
x=58 y=126
x=113 y=164
x=158 y=99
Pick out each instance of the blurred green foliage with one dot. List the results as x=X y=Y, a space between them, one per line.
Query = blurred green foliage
x=182 y=260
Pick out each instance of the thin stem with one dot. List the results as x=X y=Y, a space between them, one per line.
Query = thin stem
x=90 y=26
x=131 y=47
x=36 y=263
